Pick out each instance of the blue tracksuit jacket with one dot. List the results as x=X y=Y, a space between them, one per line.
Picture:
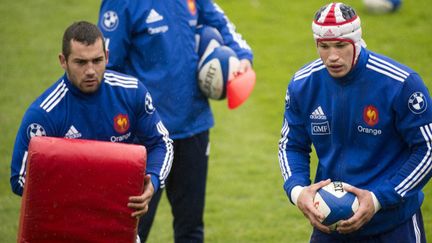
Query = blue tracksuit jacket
x=155 y=42
x=120 y=111
x=371 y=129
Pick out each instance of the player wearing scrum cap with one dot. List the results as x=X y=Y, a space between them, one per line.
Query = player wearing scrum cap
x=370 y=121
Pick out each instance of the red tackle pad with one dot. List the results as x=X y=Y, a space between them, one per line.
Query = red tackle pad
x=78 y=191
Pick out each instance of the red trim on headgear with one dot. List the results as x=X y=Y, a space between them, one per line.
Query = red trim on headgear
x=334 y=23
x=331 y=18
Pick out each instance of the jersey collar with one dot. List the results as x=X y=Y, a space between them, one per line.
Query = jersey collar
x=76 y=92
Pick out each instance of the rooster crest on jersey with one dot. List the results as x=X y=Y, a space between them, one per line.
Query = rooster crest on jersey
x=335 y=203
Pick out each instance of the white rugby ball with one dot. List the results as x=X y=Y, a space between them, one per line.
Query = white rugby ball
x=216 y=70
x=335 y=203
x=207 y=39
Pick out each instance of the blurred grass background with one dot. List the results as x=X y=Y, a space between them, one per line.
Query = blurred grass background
x=245 y=200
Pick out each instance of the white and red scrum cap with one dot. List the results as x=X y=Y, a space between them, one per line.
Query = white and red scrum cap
x=338 y=21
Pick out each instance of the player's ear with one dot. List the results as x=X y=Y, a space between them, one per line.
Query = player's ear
x=63 y=61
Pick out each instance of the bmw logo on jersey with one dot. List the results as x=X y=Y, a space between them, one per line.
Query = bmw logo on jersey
x=417 y=103
x=149 y=104
x=110 y=20
x=287 y=100
x=35 y=130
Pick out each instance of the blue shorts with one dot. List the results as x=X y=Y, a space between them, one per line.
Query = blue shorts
x=412 y=231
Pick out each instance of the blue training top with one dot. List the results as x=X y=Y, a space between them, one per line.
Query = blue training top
x=155 y=42
x=121 y=110
x=371 y=129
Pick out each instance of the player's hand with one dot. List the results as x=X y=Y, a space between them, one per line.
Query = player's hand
x=245 y=65
x=140 y=203
x=306 y=205
x=364 y=213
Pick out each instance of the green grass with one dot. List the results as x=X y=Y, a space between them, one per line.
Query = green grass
x=245 y=200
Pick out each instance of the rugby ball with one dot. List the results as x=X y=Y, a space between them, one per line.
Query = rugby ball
x=381 y=6
x=207 y=39
x=335 y=203
x=216 y=70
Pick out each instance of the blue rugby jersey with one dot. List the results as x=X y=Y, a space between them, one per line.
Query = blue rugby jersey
x=120 y=111
x=155 y=42
x=371 y=129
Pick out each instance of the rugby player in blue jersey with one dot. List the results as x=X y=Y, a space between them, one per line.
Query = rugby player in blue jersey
x=155 y=42
x=369 y=119
x=90 y=102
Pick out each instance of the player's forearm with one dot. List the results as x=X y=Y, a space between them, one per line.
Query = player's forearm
x=159 y=163
x=17 y=188
x=409 y=179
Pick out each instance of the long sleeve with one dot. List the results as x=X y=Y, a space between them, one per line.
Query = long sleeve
x=152 y=133
x=414 y=123
x=33 y=124
x=294 y=147
x=211 y=14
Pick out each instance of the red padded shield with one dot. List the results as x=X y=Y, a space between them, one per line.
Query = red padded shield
x=78 y=190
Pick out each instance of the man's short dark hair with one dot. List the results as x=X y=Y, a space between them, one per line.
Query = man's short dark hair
x=83 y=32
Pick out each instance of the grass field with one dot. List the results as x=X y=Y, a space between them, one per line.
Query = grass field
x=245 y=199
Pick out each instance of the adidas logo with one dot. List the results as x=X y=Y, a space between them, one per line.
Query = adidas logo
x=73 y=133
x=318 y=114
x=329 y=33
x=153 y=17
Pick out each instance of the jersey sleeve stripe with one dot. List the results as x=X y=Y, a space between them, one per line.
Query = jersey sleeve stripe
x=167 y=162
x=119 y=77
x=53 y=95
x=386 y=70
x=394 y=71
x=120 y=81
x=127 y=86
x=236 y=36
x=422 y=169
x=308 y=67
x=21 y=179
x=397 y=69
x=283 y=160
x=385 y=73
x=114 y=79
x=416 y=228
x=315 y=69
x=56 y=101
